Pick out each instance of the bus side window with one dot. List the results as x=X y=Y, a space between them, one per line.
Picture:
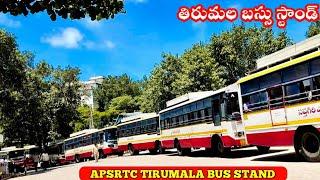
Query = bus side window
x=216 y=112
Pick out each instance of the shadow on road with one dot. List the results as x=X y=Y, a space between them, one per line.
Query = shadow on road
x=234 y=154
x=287 y=157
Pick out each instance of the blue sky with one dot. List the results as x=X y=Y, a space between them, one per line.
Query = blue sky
x=130 y=43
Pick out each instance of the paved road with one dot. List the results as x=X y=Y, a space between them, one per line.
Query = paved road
x=297 y=170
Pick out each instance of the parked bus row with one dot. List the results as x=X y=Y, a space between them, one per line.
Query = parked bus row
x=277 y=105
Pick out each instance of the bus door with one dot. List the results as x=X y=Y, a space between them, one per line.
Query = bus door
x=216 y=111
x=277 y=106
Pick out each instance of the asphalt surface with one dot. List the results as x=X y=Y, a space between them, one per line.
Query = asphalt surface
x=280 y=156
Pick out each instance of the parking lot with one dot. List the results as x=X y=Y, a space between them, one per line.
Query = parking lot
x=281 y=156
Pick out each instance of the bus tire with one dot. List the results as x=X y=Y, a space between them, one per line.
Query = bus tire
x=182 y=151
x=263 y=149
x=101 y=154
x=310 y=145
x=120 y=153
x=77 y=158
x=217 y=146
x=132 y=151
x=157 y=148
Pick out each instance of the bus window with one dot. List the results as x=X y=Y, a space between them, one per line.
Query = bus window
x=295 y=72
x=216 y=112
x=316 y=87
x=270 y=80
x=186 y=118
x=296 y=91
x=250 y=86
x=275 y=93
x=315 y=66
x=181 y=120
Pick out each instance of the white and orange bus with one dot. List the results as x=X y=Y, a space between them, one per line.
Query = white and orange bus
x=108 y=141
x=280 y=104
x=80 y=145
x=209 y=119
x=139 y=132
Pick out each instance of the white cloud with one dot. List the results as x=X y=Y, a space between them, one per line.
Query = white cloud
x=6 y=21
x=67 y=38
x=109 y=44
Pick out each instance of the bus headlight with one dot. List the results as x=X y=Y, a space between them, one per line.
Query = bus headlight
x=240 y=133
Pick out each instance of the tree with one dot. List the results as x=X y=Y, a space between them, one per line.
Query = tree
x=199 y=71
x=112 y=87
x=37 y=102
x=159 y=87
x=65 y=99
x=237 y=50
x=13 y=65
x=75 y=9
x=314 y=29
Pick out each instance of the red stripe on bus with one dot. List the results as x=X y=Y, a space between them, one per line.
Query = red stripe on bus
x=200 y=142
x=279 y=138
x=109 y=151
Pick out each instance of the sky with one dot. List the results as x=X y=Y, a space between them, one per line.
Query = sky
x=130 y=43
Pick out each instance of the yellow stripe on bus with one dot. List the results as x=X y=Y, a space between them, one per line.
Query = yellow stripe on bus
x=196 y=133
x=173 y=136
x=280 y=66
x=246 y=114
x=135 y=141
x=268 y=126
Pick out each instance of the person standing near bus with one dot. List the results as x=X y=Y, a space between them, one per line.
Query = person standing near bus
x=95 y=152
x=45 y=160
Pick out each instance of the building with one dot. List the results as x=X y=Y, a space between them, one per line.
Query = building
x=87 y=91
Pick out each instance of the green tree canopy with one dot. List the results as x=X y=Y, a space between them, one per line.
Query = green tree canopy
x=237 y=50
x=37 y=102
x=75 y=9
x=199 y=71
x=112 y=87
x=159 y=86
x=314 y=29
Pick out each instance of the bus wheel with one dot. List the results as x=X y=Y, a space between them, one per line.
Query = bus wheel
x=218 y=147
x=310 y=146
x=182 y=151
x=77 y=158
x=159 y=149
x=101 y=154
x=131 y=150
x=263 y=149
x=120 y=153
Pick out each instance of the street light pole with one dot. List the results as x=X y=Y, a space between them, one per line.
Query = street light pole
x=91 y=110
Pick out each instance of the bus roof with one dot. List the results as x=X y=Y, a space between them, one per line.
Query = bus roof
x=109 y=127
x=30 y=147
x=83 y=133
x=280 y=66
x=290 y=52
x=138 y=117
x=195 y=96
x=9 y=149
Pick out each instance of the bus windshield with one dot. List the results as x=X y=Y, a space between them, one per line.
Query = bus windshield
x=16 y=154
x=232 y=105
x=110 y=135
